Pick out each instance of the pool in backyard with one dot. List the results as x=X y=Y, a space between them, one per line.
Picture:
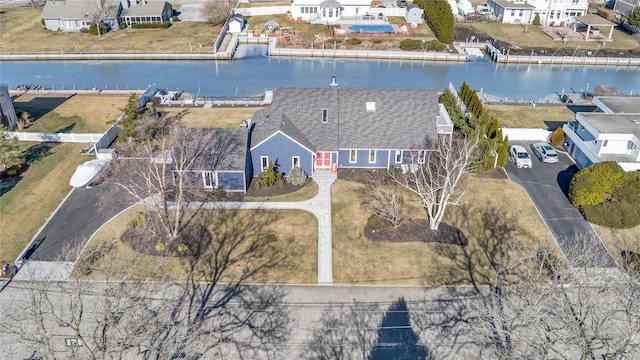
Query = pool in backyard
x=371 y=28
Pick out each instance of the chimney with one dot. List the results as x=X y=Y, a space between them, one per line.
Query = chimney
x=333 y=84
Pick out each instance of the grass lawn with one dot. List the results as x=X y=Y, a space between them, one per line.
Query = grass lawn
x=301 y=30
x=297 y=239
x=223 y=117
x=21 y=32
x=618 y=240
x=534 y=37
x=26 y=206
x=539 y=117
x=358 y=260
x=79 y=114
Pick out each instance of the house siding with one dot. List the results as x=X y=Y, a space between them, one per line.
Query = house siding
x=234 y=181
x=362 y=160
x=280 y=149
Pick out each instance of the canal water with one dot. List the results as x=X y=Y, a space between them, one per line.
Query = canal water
x=253 y=72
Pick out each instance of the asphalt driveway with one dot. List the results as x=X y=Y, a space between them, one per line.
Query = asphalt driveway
x=82 y=213
x=547 y=186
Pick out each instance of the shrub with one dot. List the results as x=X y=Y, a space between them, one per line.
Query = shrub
x=42 y=22
x=374 y=221
x=435 y=45
x=536 y=20
x=410 y=44
x=84 y=30
x=12 y=172
x=93 y=29
x=503 y=151
x=122 y=25
x=335 y=40
x=162 y=25
x=269 y=177
x=183 y=247
x=136 y=220
x=557 y=137
x=175 y=19
x=297 y=176
x=353 y=41
x=596 y=184
x=377 y=41
x=160 y=247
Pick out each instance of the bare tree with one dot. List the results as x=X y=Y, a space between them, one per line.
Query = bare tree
x=385 y=198
x=217 y=11
x=437 y=176
x=164 y=170
x=605 y=90
x=105 y=10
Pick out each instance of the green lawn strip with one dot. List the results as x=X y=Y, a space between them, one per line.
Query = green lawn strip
x=26 y=206
x=539 y=117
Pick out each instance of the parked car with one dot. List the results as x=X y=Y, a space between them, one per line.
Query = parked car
x=402 y=3
x=628 y=28
x=520 y=156
x=545 y=152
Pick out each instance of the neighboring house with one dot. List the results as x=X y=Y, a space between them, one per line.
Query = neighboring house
x=552 y=12
x=147 y=12
x=328 y=128
x=611 y=134
x=328 y=11
x=236 y=24
x=414 y=14
x=73 y=15
x=7 y=111
x=226 y=164
x=625 y=7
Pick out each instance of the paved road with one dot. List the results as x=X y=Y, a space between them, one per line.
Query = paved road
x=547 y=186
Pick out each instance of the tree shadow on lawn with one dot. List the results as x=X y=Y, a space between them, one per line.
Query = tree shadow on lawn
x=416 y=231
x=40 y=106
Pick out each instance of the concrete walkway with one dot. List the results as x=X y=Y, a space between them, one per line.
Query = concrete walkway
x=320 y=206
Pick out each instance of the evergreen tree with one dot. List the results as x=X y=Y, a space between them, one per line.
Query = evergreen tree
x=634 y=17
x=536 y=20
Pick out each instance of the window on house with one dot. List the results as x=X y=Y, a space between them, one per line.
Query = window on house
x=398 y=156
x=325 y=115
x=631 y=146
x=353 y=156
x=209 y=179
x=295 y=161
x=324 y=12
x=264 y=163
x=422 y=156
x=372 y=156
x=513 y=12
x=521 y=12
x=604 y=143
x=330 y=13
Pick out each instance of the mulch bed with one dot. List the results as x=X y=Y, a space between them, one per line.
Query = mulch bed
x=195 y=236
x=416 y=231
x=275 y=189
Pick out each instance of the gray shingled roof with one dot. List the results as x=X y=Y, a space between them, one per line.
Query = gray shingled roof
x=402 y=119
x=152 y=8
x=330 y=4
x=73 y=9
x=226 y=149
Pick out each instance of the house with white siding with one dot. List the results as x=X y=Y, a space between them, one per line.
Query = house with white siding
x=552 y=12
x=328 y=11
x=610 y=134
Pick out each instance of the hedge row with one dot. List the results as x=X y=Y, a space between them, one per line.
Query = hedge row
x=162 y=25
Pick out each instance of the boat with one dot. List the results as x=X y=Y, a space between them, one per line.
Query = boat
x=88 y=172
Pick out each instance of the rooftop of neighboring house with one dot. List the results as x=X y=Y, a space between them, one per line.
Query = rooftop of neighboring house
x=612 y=123
x=355 y=118
x=73 y=9
x=618 y=104
x=226 y=148
x=150 y=8
x=513 y=5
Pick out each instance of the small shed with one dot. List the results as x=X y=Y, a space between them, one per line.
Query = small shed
x=236 y=24
x=414 y=14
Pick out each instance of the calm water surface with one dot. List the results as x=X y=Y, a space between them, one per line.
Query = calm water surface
x=253 y=72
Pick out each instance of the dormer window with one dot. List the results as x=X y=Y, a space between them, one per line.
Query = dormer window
x=325 y=115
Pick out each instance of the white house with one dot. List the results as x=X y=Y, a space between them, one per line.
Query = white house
x=73 y=15
x=328 y=11
x=552 y=12
x=612 y=134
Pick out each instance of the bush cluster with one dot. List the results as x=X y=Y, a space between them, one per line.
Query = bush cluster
x=557 y=137
x=297 y=176
x=410 y=44
x=353 y=41
x=439 y=18
x=435 y=45
x=269 y=177
x=163 y=25
x=607 y=195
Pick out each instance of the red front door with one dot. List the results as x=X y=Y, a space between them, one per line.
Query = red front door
x=323 y=160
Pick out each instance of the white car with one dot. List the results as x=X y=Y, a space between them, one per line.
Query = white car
x=545 y=153
x=520 y=157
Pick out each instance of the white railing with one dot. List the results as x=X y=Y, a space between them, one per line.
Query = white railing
x=368 y=54
x=388 y=11
x=263 y=10
x=101 y=141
